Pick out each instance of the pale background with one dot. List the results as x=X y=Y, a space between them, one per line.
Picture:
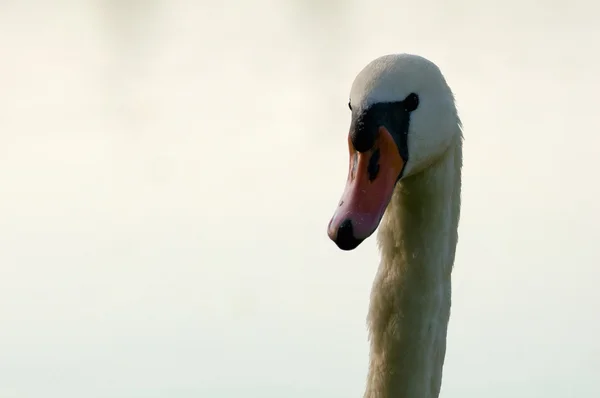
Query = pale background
x=168 y=170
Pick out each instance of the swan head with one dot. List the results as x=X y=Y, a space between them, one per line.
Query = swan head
x=403 y=120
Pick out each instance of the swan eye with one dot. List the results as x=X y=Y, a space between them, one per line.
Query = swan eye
x=349 y=105
x=411 y=102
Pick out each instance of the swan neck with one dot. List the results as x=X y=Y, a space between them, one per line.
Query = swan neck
x=411 y=296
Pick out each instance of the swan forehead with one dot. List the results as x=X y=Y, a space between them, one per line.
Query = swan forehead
x=391 y=78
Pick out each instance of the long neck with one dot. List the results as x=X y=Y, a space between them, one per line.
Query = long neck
x=410 y=301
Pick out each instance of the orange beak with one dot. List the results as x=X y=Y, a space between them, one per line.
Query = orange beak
x=372 y=177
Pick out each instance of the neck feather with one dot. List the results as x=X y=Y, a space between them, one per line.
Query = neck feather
x=411 y=296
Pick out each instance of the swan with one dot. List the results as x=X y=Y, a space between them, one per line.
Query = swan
x=405 y=144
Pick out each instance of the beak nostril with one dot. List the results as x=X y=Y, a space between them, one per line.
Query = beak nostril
x=373 y=167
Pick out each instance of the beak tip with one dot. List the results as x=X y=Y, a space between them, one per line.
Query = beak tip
x=344 y=237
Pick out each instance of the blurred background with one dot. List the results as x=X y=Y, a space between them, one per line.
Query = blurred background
x=168 y=170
